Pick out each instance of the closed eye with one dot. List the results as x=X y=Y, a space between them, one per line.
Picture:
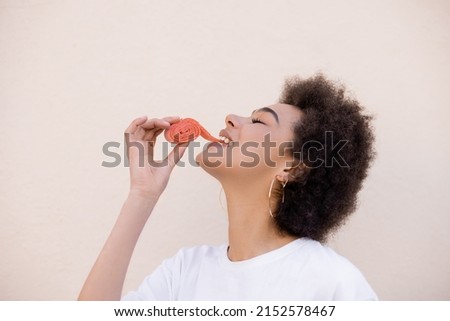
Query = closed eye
x=256 y=120
x=267 y=110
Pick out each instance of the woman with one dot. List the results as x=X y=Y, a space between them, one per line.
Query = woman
x=290 y=173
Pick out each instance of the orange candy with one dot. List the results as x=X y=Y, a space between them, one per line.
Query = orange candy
x=186 y=130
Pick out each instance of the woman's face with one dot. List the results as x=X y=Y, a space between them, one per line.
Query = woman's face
x=259 y=143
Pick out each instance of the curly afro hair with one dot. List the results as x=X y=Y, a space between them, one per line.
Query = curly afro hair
x=319 y=200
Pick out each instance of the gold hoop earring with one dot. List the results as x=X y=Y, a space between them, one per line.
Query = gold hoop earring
x=284 y=185
x=270 y=193
x=282 y=195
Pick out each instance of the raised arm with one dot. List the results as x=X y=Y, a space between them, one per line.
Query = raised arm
x=148 y=180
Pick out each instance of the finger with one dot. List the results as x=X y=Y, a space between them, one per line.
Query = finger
x=159 y=123
x=135 y=124
x=151 y=135
x=175 y=155
x=139 y=133
x=172 y=119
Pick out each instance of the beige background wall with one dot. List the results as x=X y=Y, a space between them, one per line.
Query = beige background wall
x=73 y=74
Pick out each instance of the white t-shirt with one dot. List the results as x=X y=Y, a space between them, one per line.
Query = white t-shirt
x=301 y=270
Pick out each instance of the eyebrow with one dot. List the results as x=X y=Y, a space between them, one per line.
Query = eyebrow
x=269 y=110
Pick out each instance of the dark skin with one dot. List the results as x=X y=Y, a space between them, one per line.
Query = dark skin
x=317 y=200
x=252 y=231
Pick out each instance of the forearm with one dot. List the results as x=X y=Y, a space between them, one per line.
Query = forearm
x=105 y=281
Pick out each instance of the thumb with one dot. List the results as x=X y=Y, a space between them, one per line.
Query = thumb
x=175 y=155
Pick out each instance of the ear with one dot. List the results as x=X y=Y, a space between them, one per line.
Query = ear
x=298 y=172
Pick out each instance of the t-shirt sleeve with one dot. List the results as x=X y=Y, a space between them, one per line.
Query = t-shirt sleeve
x=160 y=285
x=353 y=286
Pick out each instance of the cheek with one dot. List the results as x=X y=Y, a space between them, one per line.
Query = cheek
x=253 y=133
x=259 y=146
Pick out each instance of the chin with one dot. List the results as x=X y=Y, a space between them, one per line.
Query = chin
x=200 y=159
x=215 y=165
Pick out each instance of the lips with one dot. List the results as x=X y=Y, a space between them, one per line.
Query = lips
x=224 y=137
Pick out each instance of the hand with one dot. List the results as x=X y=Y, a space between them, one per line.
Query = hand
x=149 y=178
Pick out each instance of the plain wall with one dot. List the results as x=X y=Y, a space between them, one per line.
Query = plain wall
x=73 y=74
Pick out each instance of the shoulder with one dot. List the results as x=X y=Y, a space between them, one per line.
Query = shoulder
x=328 y=258
x=349 y=283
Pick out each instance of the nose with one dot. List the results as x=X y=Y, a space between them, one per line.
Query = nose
x=233 y=121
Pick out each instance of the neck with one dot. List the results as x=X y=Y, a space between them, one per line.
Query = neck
x=251 y=231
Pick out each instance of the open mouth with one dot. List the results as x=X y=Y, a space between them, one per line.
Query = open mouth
x=225 y=140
